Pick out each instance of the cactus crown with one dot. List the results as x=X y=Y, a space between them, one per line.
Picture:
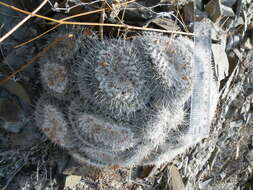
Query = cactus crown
x=51 y=120
x=54 y=77
x=117 y=75
x=128 y=103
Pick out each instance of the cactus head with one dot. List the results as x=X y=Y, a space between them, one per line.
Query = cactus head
x=51 y=120
x=54 y=77
x=171 y=61
x=118 y=76
x=97 y=132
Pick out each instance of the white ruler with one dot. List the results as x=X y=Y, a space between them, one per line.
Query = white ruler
x=200 y=116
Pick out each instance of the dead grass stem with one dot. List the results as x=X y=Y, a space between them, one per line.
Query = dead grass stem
x=22 y=21
x=64 y=21
x=96 y=24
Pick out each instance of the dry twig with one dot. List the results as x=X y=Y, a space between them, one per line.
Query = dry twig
x=67 y=18
x=22 y=21
x=43 y=52
x=101 y=20
x=63 y=21
x=96 y=24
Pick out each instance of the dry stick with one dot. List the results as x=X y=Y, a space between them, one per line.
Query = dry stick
x=102 y=20
x=67 y=18
x=120 y=20
x=184 y=25
x=97 y=24
x=56 y=26
x=37 y=37
x=111 y=8
x=77 y=23
x=43 y=52
x=22 y=21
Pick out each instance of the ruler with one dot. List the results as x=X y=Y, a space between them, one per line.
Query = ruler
x=200 y=116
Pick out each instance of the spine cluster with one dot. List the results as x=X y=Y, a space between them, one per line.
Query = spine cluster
x=128 y=99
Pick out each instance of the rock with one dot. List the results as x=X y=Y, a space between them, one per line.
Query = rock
x=11 y=18
x=247 y=44
x=228 y=3
x=233 y=41
x=164 y=23
x=142 y=171
x=74 y=168
x=11 y=112
x=17 y=89
x=251 y=37
x=227 y=11
x=217 y=11
x=62 y=161
x=27 y=137
x=72 y=181
x=175 y=2
x=188 y=11
x=14 y=106
x=221 y=61
x=86 y=184
x=4 y=141
x=175 y=182
x=205 y=183
x=199 y=4
x=214 y=9
x=200 y=15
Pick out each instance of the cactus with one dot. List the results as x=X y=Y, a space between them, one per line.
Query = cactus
x=97 y=132
x=130 y=100
x=115 y=73
x=55 y=78
x=171 y=63
x=55 y=73
x=51 y=120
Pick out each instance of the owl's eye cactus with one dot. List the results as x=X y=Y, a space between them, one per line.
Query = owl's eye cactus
x=96 y=132
x=55 y=78
x=171 y=60
x=129 y=105
x=117 y=74
x=163 y=122
x=50 y=119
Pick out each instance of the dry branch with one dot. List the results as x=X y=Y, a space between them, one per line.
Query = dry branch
x=22 y=21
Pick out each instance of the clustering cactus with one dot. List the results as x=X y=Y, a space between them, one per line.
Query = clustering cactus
x=129 y=99
x=172 y=62
x=116 y=75
x=54 y=78
x=51 y=120
x=55 y=70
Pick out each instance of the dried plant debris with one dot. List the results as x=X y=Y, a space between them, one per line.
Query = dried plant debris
x=27 y=167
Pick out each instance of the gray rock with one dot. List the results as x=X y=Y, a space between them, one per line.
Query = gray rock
x=26 y=138
x=216 y=10
x=176 y=181
x=12 y=114
x=11 y=20
x=228 y=3
x=221 y=61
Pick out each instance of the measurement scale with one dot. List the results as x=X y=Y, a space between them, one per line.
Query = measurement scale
x=201 y=113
